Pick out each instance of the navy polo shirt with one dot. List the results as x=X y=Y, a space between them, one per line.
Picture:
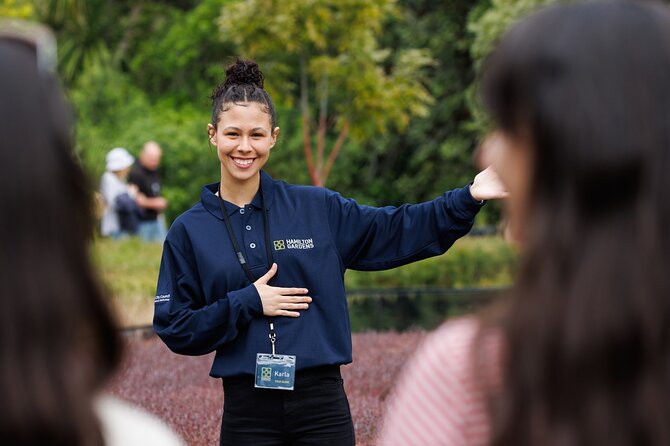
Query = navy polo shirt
x=204 y=301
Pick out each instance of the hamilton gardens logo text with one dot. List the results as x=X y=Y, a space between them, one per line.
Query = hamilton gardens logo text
x=294 y=243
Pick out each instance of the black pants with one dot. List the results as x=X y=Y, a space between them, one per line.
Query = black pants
x=316 y=412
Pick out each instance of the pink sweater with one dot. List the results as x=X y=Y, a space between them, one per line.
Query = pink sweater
x=439 y=399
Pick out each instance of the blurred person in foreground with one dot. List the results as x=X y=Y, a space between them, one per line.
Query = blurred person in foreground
x=579 y=351
x=58 y=342
x=145 y=175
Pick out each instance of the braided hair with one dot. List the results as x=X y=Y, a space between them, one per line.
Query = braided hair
x=244 y=83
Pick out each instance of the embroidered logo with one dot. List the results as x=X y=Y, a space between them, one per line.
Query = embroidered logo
x=279 y=245
x=294 y=243
x=297 y=243
x=162 y=298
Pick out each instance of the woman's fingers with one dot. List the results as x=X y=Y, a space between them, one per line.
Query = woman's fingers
x=282 y=312
x=296 y=299
x=293 y=303
x=287 y=313
x=295 y=306
x=291 y=291
x=278 y=301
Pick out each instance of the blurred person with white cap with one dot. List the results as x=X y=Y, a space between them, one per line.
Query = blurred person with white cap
x=119 y=218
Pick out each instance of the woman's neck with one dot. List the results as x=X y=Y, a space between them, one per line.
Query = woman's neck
x=239 y=193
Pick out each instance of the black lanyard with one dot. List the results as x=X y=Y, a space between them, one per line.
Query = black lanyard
x=236 y=245
x=240 y=256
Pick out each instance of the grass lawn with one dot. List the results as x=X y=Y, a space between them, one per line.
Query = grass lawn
x=129 y=268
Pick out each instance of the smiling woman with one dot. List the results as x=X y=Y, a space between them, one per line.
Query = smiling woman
x=241 y=131
x=255 y=272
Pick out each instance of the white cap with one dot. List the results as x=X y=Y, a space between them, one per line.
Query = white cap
x=119 y=159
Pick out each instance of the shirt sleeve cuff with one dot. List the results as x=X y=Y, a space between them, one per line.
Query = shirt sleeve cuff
x=248 y=301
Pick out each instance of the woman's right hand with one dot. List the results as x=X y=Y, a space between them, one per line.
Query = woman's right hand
x=278 y=301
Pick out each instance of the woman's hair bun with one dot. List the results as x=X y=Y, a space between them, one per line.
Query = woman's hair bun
x=243 y=72
x=244 y=83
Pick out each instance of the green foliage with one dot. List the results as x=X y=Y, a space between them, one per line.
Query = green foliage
x=472 y=261
x=435 y=152
x=143 y=70
x=105 y=102
x=409 y=310
x=487 y=26
x=492 y=23
x=325 y=53
x=58 y=12
x=17 y=9
x=87 y=32
x=186 y=62
x=482 y=262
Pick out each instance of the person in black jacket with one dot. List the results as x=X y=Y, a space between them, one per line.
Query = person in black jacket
x=145 y=175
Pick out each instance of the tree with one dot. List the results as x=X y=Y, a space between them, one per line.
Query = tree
x=180 y=55
x=325 y=56
x=487 y=27
x=80 y=39
x=435 y=153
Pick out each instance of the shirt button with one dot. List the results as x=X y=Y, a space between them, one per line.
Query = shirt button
x=242 y=211
x=252 y=246
x=248 y=228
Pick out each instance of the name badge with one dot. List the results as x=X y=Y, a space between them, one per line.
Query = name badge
x=275 y=371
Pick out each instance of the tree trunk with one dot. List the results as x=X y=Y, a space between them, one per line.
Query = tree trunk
x=307 y=141
x=344 y=132
x=321 y=132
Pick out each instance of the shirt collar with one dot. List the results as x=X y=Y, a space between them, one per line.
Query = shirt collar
x=210 y=200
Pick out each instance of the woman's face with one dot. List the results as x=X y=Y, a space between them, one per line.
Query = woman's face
x=243 y=138
x=511 y=157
